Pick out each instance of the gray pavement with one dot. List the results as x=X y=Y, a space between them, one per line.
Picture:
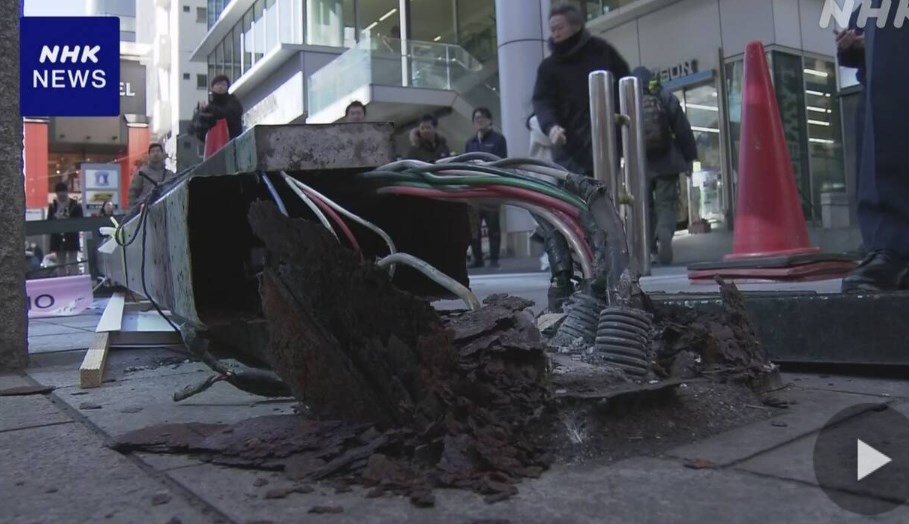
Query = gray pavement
x=56 y=468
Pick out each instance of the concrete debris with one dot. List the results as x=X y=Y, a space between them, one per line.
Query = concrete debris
x=326 y=509
x=162 y=497
x=25 y=391
x=89 y=405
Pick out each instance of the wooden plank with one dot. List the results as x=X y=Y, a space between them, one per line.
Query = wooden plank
x=92 y=370
x=112 y=318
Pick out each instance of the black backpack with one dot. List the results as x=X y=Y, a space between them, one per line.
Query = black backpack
x=657 y=130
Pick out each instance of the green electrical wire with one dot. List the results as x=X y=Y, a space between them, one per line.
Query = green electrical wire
x=492 y=177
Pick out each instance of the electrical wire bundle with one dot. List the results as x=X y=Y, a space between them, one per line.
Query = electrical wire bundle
x=526 y=183
x=329 y=214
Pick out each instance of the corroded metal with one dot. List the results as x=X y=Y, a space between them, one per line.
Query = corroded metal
x=304 y=147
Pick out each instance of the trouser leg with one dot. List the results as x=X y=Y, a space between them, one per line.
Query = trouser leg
x=663 y=213
x=494 y=230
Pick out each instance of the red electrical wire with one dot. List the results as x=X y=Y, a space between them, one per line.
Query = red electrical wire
x=568 y=213
x=335 y=218
x=537 y=198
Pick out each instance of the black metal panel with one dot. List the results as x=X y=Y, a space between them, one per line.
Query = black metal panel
x=821 y=329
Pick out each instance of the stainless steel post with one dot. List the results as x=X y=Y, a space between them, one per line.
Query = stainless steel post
x=602 y=119
x=637 y=226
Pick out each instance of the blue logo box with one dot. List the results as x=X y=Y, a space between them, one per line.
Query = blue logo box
x=70 y=66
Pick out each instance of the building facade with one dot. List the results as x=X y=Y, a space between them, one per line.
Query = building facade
x=697 y=47
x=177 y=84
x=297 y=61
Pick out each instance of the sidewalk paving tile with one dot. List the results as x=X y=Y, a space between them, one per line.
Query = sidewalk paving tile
x=68 y=342
x=29 y=411
x=793 y=461
x=65 y=474
x=135 y=404
x=809 y=414
x=635 y=490
x=862 y=385
x=36 y=329
x=13 y=380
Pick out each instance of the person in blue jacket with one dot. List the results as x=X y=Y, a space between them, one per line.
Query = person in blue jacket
x=486 y=140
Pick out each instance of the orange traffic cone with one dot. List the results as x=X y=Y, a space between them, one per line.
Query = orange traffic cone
x=769 y=219
x=771 y=237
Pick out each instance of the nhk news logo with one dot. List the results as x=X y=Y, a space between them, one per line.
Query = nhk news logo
x=878 y=10
x=70 y=66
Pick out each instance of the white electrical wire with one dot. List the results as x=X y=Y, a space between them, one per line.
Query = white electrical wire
x=376 y=229
x=309 y=203
x=577 y=244
x=557 y=221
x=435 y=275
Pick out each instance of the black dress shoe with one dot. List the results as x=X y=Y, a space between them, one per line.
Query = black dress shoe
x=881 y=270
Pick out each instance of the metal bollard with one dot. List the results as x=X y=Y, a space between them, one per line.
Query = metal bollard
x=602 y=119
x=637 y=225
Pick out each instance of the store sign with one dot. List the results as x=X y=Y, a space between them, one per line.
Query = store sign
x=132 y=88
x=684 y=69
x=58 y=297
x=100 y=183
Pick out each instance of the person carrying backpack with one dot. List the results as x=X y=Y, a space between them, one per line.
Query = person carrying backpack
x=671 y=148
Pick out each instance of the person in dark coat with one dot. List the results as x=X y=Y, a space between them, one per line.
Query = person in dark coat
x=148 y=177
x=850 y=46
x=221 y=104
x=561 y=103
x=883 y=208
x=664 y=167
x=486 y=140
x=561 y=98
x=426 y=144
x=65 y=246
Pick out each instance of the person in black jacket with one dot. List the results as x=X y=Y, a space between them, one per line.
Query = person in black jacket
x=561 y=98
x=65 y=246
x=221 y=105
x=672 y=157
x=486 y=140
x=561 y=102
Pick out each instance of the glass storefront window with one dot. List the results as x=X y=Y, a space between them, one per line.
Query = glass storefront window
x=260 y=30
x=290 y=20
x=825 y=144
x=476 y=22
x=433 y=21
x=237 y=65
x=380 y=19
x=705 y=190
x=805 y=91
x=247 y=40
x=227 y=66
x=271 y=24
x=331 y=23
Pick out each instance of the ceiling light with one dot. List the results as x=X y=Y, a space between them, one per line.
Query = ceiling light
x=386 y=15
x=819 y=123
x=370 y=26
x=705 y=108
x=815 y=72
x=705 y=129
x=821 y=141
x=436 y=39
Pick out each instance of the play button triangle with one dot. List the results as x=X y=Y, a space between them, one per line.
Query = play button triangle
x=869 y=460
